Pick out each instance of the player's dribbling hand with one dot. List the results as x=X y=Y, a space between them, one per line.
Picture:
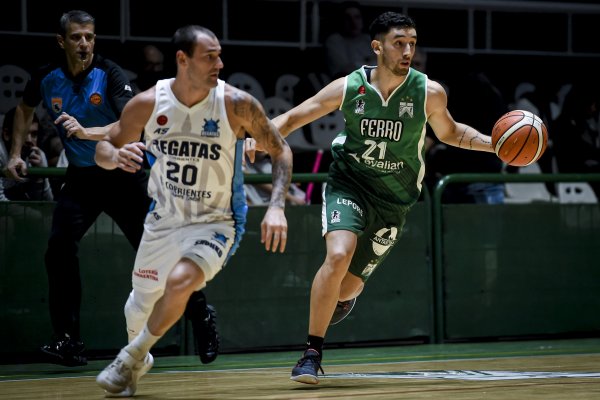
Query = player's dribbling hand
x=273 y=230
x=131 y=156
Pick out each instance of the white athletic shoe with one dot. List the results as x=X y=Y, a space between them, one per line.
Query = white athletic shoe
x=120 y=378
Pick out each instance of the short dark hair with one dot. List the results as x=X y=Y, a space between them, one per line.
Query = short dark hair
x=184 y=38
x=388 y=20
x=74 y=16
x=9 y=120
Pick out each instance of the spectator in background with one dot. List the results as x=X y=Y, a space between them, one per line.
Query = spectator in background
x=51 y=144
x=259 y=194
x=538 y=100
x=419 y=61
x=48 y=140
x=350 y=47
x=29 y=188
x=151 y=69
x=576 y=132
x=481 y=115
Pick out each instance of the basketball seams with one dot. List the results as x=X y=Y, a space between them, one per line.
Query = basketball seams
x=514 y=135
x=507 y=134
x=523 y=145
x=539 y=127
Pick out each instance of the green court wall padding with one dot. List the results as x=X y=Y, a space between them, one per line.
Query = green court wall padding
x=261 y=297
x=521 y=270
x=508 y=271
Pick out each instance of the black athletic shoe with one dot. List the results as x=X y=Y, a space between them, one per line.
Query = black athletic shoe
x=307 y=368
x=342 y=310
x=65 y=351
x=204 y=324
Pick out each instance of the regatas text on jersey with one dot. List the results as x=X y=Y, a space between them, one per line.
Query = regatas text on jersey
x=187 y=149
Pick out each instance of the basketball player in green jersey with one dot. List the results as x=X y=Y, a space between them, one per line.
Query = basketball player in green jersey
x=377 y=170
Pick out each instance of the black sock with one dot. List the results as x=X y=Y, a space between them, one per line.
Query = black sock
x=315 y=343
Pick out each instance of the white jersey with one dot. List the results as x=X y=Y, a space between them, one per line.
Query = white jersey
x=196 y=159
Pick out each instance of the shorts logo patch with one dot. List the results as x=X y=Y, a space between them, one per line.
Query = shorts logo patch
x=384 y=239
x=335 y=217
x=369 y=269
x=146 y=273
x=351 y=204
x=219 y=237
x=203 y=242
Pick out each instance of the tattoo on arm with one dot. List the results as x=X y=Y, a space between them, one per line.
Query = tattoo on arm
x=282 y=174
x=265 y=133
x=475 y=137
x=462 y=137
x=248 y=109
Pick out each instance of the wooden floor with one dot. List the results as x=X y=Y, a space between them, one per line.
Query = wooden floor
x=548 y=370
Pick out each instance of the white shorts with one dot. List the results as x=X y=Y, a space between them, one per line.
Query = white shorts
x=166 y=241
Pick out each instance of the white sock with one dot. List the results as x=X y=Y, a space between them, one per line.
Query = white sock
x=141 y=345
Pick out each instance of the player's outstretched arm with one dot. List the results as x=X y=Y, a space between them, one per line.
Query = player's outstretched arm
x=446 y=128
x=121 y=147
x=325 y=101
x=73 y=128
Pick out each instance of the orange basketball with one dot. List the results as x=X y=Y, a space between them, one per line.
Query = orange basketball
x=519 y=138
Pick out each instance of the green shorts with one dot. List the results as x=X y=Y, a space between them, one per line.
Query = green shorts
x=378 y=225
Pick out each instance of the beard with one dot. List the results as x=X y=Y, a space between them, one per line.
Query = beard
x=394 y=67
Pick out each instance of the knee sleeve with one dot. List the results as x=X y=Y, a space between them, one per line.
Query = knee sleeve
x=138 y=307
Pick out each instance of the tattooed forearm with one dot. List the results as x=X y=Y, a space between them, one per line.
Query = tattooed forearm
x=282 y=176
x=462 y=137
x=249 y=112
x=472 y=136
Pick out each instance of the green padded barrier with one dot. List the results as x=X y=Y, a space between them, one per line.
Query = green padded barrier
x=106 y=260
x=521 y=270
x=261 y=298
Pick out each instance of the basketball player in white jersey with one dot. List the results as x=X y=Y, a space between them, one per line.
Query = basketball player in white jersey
x=194 y=128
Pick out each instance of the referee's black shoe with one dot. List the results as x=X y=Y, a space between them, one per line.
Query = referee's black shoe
x=64 y=351
x=203 y=317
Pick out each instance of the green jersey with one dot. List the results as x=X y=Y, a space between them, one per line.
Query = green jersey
x=380 y=152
